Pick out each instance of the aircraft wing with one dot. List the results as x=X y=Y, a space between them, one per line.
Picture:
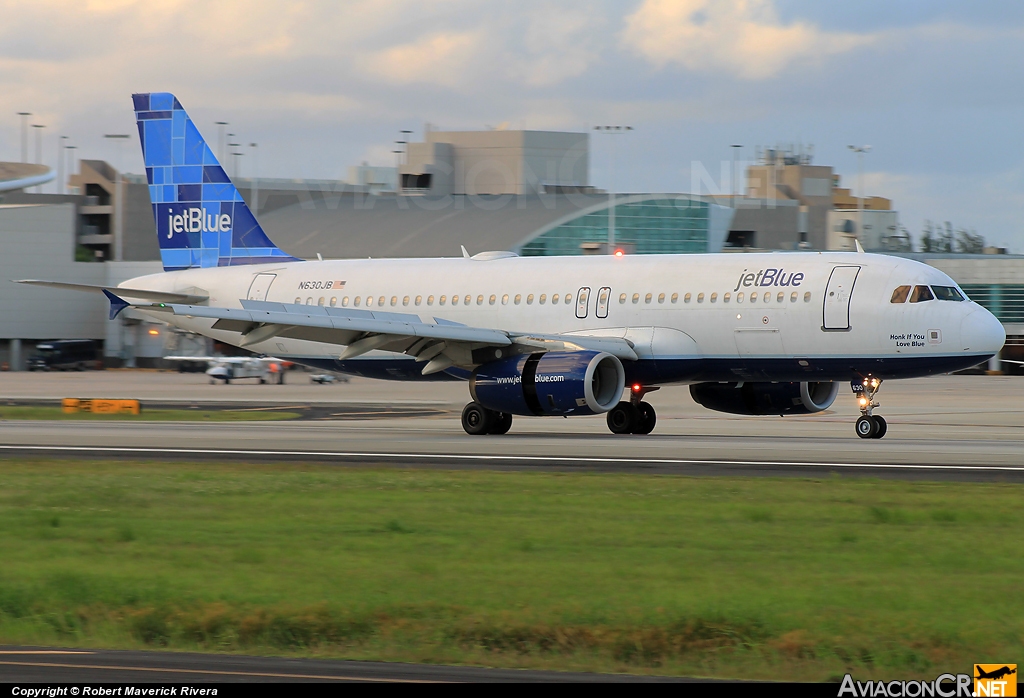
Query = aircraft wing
x=439 y=342
x=159 y=296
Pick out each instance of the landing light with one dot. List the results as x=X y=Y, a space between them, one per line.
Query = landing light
x=863 y=401
x=154 y=332
x=619 y=253
x=637 y=388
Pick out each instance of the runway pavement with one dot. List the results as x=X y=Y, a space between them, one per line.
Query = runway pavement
x=949 y=427
x=58 y=665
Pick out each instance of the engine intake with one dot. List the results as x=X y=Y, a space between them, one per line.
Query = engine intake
x=765 y=398
x=552 y=383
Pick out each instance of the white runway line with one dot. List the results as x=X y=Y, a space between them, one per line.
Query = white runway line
x=514 y=459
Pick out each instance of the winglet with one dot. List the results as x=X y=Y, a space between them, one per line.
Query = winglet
x=465 y=252
x=860 y=248
x=116 y=304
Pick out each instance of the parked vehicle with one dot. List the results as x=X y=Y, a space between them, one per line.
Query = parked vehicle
x=65 y=355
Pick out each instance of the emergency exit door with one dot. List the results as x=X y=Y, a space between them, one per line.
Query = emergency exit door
x=837 y=298
x=260 y=286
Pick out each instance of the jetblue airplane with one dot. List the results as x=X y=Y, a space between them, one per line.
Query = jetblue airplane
x=751 y=334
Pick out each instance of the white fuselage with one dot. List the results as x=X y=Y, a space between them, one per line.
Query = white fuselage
x=773 y=316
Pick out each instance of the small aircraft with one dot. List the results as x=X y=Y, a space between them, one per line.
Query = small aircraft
x=267 y=369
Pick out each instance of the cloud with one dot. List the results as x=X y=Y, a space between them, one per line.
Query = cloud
x=744 y=38
x=442 y=59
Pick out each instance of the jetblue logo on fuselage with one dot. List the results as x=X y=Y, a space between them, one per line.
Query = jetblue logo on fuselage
x=769 y=277
x=197 y=220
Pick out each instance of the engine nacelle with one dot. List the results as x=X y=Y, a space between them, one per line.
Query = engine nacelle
x=765 y=398
x=552 y=383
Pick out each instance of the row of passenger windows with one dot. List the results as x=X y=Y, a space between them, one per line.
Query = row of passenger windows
x=920 y=294
x=556 y=298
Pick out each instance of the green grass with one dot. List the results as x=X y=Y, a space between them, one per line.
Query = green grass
x=147 y=415
x=728 y=577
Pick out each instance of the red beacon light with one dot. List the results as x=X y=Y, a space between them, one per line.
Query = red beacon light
x=619 y=253
x=637 y=388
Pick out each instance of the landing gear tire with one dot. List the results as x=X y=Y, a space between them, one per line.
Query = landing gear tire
x=477 y=420
x=866 y=427
x=502 y=422
x=880 y=426
x=623 y=418
x=647 y=418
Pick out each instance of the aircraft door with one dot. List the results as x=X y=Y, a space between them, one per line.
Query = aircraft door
x=836 y=312
x=260 y=286
x=583 y=302
x=603 y=297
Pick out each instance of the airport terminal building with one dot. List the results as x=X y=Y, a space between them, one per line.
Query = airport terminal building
x=523 y=191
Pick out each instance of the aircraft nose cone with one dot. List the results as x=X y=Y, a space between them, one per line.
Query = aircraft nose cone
x=981 y=331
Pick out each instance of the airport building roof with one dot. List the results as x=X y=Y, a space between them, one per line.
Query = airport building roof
x=21 y=175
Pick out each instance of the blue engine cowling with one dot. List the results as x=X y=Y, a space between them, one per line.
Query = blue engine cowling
x=552 y=383
x=765 y=398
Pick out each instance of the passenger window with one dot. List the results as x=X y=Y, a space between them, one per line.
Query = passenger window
x=714 y=297
x=442 y=300
x=492 y=299
x=369 y=301
x=947 y=293
x=430 y=300
x=554 y=299
x=661 y=297
x=739 y=297
x=647 y=298
x=309 y=301
x=725 y=298
x=298 y=301
x=320 y=302
x=455 y=300
x=807 y=297
x=504 y=299
x=686 y=298
x=543 y=298
x=792 y=297
x=334 y=301
x=767 y=296
x=469 y=299
x=900 y=294
x=356 y=304
x=380 y=301
x=700 y=297
x=519 y=298
x=921 y=294
x=405 y=300
x=480 y=300
x=344 y=302
x=419 y=299
x=622 y=298
x=781 y=297
x=753 y=297
x=675 y=297
x=636 y=297
x=394 y=300
x=529 y=299
x=568 y=298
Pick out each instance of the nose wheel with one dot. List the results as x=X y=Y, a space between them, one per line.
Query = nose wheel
x=868 y=425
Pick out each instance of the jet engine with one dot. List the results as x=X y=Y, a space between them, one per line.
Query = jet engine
x=552 y=383
x=765 y=398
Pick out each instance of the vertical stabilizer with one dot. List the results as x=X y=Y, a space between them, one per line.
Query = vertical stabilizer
x=201 y=219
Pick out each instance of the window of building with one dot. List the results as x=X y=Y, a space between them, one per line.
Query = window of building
x=947 y=293
x=529 y=299
x=921 y=294
x=900 y=295
x=543 y=298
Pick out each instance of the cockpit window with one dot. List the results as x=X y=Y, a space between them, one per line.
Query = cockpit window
x=900 y=294
x=921 y=294
x=948 y=293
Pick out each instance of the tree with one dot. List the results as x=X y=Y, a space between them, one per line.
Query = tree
x=969 y=242
x=928 y=238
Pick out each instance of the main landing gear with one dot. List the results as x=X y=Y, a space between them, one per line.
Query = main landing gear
x=868 y=426
x=477 y=420
x=635 y=416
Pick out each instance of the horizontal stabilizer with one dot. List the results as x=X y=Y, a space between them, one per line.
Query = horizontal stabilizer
x=159 y=296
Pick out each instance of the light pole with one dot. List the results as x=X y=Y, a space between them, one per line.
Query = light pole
x=24 y=134
x=736 y=190
x=612 y=130
x=39 y=149
x=71 y=154
x=860 y=150
x=120 y=138
x=234 y=156
x=255 y=179
x=60 y=164
x=220 y=140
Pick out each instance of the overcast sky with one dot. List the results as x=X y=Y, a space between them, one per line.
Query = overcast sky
x=934 y=86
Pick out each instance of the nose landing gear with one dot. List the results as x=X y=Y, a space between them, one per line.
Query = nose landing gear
x=634 y=416
x=869 y=425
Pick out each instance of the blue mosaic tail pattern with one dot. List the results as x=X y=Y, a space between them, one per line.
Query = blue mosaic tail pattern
x=201 y=219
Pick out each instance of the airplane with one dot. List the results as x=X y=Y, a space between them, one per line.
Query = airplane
x=994 y=674
x=750 y=334
x=267 y=369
